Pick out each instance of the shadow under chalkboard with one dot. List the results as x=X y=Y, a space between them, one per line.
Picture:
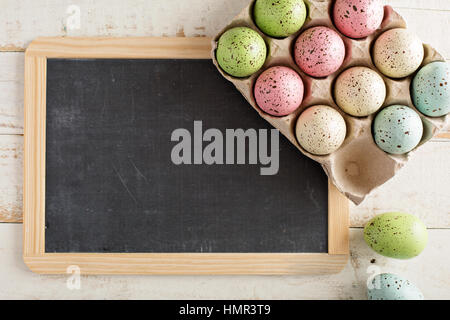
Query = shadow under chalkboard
x=112 y=184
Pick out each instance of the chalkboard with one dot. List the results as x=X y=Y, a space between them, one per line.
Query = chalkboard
x=112 y=185
x=139 y=158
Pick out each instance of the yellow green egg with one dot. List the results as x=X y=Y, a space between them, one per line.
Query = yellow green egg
x=241 y=51
x=396 y=235
x=279 y=18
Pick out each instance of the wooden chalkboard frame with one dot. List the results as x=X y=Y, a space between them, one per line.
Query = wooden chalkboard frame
x=146 y=263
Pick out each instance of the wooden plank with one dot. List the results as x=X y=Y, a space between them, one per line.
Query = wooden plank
x=338 y=221
x=116 y=48
x=11 y=93
x=11 y=155
x=438 y=5
x=444 y=135
x=427 y=271
x=189 y=263
x=34 y=156
x=23 y=20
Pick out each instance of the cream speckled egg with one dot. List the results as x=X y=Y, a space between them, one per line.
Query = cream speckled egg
x=360 y=91
x=398 y=53
x=321 y=130
x=397 y=129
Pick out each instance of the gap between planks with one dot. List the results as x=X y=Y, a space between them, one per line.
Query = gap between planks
x=118 y=32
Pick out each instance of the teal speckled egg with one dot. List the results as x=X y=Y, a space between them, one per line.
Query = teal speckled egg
x=397 y=129
x=396 y=235
x=388 y=286
x=431 y=89
x=279 y=18
x=241 y=52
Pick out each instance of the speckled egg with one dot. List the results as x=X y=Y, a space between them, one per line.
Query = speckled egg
x=241 y=52
x=398 y=53
x=396 y=235
x=397 y=129
x=321 y=130
x=388 y=286
x=359 y=91
x=319 y=51
x=279 y=91
x=431 y=89
x=279 y=18
x=358 y=18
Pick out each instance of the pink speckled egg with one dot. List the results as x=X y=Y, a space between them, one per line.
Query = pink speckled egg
x=319 y=51
x=279 y=91
x=358 y=18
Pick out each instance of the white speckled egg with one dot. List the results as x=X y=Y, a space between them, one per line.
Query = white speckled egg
x=321 y=130
x=397 y=129
x=398 y=53
x=431 y=89
x=360 y=91
x=388 y=286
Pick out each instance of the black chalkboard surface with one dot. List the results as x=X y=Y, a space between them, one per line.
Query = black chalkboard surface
x=112 y=185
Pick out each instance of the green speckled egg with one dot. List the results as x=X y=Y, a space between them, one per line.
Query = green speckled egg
x=397 y=129
x=279 y=18
x=241 y=52
x=431 y=89
x=388 y=286
x=396 y=235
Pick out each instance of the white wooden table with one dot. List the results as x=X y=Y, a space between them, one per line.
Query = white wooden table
x=421 y=188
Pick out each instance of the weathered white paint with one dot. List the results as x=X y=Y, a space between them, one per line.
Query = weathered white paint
x=420 y=188
x=435 y=5
x=22 y=20
x=11 y=154
x=11 y=92
x=428 y=271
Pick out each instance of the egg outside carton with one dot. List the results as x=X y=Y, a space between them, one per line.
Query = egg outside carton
x=358 y=167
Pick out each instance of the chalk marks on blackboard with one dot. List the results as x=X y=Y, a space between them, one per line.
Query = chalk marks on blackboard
x=137 y=169
x=124 y=184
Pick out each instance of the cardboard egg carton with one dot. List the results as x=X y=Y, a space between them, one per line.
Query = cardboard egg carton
x=358 y=166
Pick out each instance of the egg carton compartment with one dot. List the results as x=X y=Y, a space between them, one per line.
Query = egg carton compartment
x=359 y=166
